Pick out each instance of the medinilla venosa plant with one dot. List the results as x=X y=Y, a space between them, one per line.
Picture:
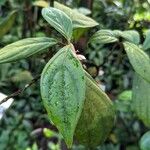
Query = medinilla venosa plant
x=74 y=102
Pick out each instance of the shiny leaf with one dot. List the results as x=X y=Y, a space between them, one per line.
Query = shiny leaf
x=25 y=48
x=63 y=91
x=139 y=60
x=59 y=20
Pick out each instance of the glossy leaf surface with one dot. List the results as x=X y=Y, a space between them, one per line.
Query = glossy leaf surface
x=25 y=48
x=63 y=91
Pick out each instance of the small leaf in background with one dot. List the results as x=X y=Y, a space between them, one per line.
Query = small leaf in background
x=59 y=20
x=145 y=141
x=25 y=48
x=63 y=91
x=23 y=76
x=48 y=133
x=125 y=95
x=84 y=11
x=138 y=59
x=41 y=3
x=7 y=23
x=78 y=19
x=97 y=118
x=141 y=99
x=103 y=37
x=146 y=44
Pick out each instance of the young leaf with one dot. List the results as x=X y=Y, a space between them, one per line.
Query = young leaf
x=139 y=60
x=146 y=44
x=79 y=20
x=25 y=48
x=97 y=117
x=104 y=37
x=141 y=99
x=63 y=91
x=7 y=23
x=59 y=20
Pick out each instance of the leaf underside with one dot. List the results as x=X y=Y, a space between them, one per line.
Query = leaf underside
x=97 y=117
x=63 y=91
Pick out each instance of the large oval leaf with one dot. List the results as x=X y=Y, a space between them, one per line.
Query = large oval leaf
x=7 y=23
x=79 y=20
x=104 y=37
x=63 y=91
x=25 y=48
x=139 y=60
x=97 y=117
x=59 y=20
x=141 y=99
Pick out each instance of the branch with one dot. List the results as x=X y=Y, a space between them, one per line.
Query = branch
x=20 y=90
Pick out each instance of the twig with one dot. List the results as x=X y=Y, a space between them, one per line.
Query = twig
x=20 y=90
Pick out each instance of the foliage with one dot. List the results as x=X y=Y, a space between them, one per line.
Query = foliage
x=26 y=125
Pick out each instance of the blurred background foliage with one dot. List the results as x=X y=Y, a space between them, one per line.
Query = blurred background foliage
x=25 y=125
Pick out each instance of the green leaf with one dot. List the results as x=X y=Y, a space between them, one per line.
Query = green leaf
x=146 y=44
x=49 y=133
x=97 y=117
x=104 y=37
x=7 y=23
x=125 y=95
x=59 y=20
x=131 y=36
x=139 y=60
x=78 y=19
x=41 y=3
x=145 y=141
x=63 y=91
x=25 y=48
x=141 y=99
